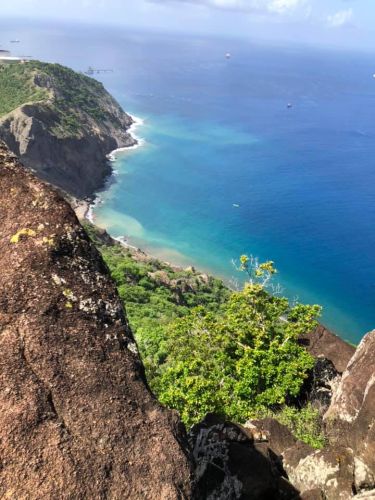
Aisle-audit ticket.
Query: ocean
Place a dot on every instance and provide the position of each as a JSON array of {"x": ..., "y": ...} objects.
[{"x": 270, "y": 152}]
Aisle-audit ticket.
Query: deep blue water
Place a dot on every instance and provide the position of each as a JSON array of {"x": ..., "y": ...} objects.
[{"x": 218, "y": 133}]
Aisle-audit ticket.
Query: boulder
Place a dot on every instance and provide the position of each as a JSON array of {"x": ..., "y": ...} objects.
[
  {"x": 327, "y": 472},
  {"x": 279, "y": 438},
  {"x": 346, "y": 468},
  {"x": 231, "y": 465},
  {"x": 77, "y": 419},
  {"x": 332, "y": 355},
  {"x": 350, "y": 419}
]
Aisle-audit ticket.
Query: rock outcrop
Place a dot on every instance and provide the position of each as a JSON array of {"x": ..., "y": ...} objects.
[
  {"x": 321, "y": 343},
  {"x": 233, "y": 462},
  {"x": 77, "y": 419},
  {"x": 350, "y": 419},
  {"x": 346, "y": 467},
  {"x": 332, "y": 355},
  {"x": 66, "y": 136}
]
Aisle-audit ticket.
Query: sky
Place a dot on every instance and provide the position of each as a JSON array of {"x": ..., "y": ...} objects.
[{"x": 339, "y": 23}]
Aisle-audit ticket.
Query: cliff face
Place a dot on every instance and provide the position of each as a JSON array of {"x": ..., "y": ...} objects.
[
  {"x": 66, "y": 134},
  {"x": 77, "y": 419}
]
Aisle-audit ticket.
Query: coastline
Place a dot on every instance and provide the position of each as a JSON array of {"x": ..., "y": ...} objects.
[
  {"x": 84, "y": 208},
  {"x": 137, "y": 122},
  {"x": 85, "y": 211}
]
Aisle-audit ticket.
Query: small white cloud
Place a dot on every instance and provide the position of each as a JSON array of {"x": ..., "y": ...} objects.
[
  {"x": 340, "y": 18},
  {"x": 282, "y": 6}
]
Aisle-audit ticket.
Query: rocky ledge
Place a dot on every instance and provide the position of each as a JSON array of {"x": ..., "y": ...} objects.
[{"x": 263, "y": 460}]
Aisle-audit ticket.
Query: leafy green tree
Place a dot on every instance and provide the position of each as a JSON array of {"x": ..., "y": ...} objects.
[{"x": 243, "y": 359}]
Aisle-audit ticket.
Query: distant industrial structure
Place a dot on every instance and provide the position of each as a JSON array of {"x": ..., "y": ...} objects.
[{"x": 90, "y": 71}]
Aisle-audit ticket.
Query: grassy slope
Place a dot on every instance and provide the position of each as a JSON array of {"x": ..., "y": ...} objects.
[
  {"x": 17, "y": 87},
  {"x": 75, "y": 99}
]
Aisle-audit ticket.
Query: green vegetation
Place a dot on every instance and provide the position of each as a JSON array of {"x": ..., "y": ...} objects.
[
  {"x": 75, "y": 94},
  {"x": 305, "y": 423},
  {"x": 17, "y": 87},
  {"x": 156, "y": 294},
  {"x": 208, "y": 349},
  {"x": 246, "y": 358},
  {"x": 73, "y": 97}
]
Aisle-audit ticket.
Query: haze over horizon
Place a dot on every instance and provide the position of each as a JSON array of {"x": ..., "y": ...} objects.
[{"x": 333, "y": 23}]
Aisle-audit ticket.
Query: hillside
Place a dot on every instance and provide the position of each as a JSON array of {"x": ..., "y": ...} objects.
[
  {"x": 61, "y": 123},
  {"x": 78, "y": 419},
  {"x": 155, "y": 293},
  {"x": 157, "y": 296},
  {"x": 95, "y": 335}
]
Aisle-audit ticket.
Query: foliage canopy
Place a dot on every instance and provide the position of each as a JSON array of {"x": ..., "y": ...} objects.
[
  {"x": 208, "y": 349},
  {"x": 244, "y": 359}
]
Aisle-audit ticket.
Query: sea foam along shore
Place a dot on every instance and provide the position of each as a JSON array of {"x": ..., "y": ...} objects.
[
  {"x": 112, "y": 156},
  {"x": 137, "y": 122}
]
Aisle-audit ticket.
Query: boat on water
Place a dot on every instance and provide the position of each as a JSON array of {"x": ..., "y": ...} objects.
[
  {"x": 236, "y": 205},
  {"x": 15, "y": 41},
  {"x": 289, "y": 105},
  {"x": 228, "y": 55}
]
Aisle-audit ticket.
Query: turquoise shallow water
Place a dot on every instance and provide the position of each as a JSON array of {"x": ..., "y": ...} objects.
[
  {"x": 218, "y": 132},
  {"x": 181, "y": 212},
  {"x": 221, "y": 134}
]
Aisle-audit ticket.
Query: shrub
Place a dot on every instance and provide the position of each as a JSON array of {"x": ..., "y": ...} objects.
[{"x": 244, "y": 359}]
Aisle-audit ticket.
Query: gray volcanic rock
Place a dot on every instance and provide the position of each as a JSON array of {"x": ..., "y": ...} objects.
[
  {"x": 346, "y": 468},
  {"x": 350, "y": 419},
  {"x": 77, "y": 420},
  {"x": 332, "y": 355},
  {"x": 319, "y": 387},
  {"x": 327, "y": 471},
  {"x": 66, "y": 136}
]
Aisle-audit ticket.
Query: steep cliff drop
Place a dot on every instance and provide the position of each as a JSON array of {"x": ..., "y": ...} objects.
[
  {"x": 62, "y": 124},
  {"x": 77, "y": 419}
]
